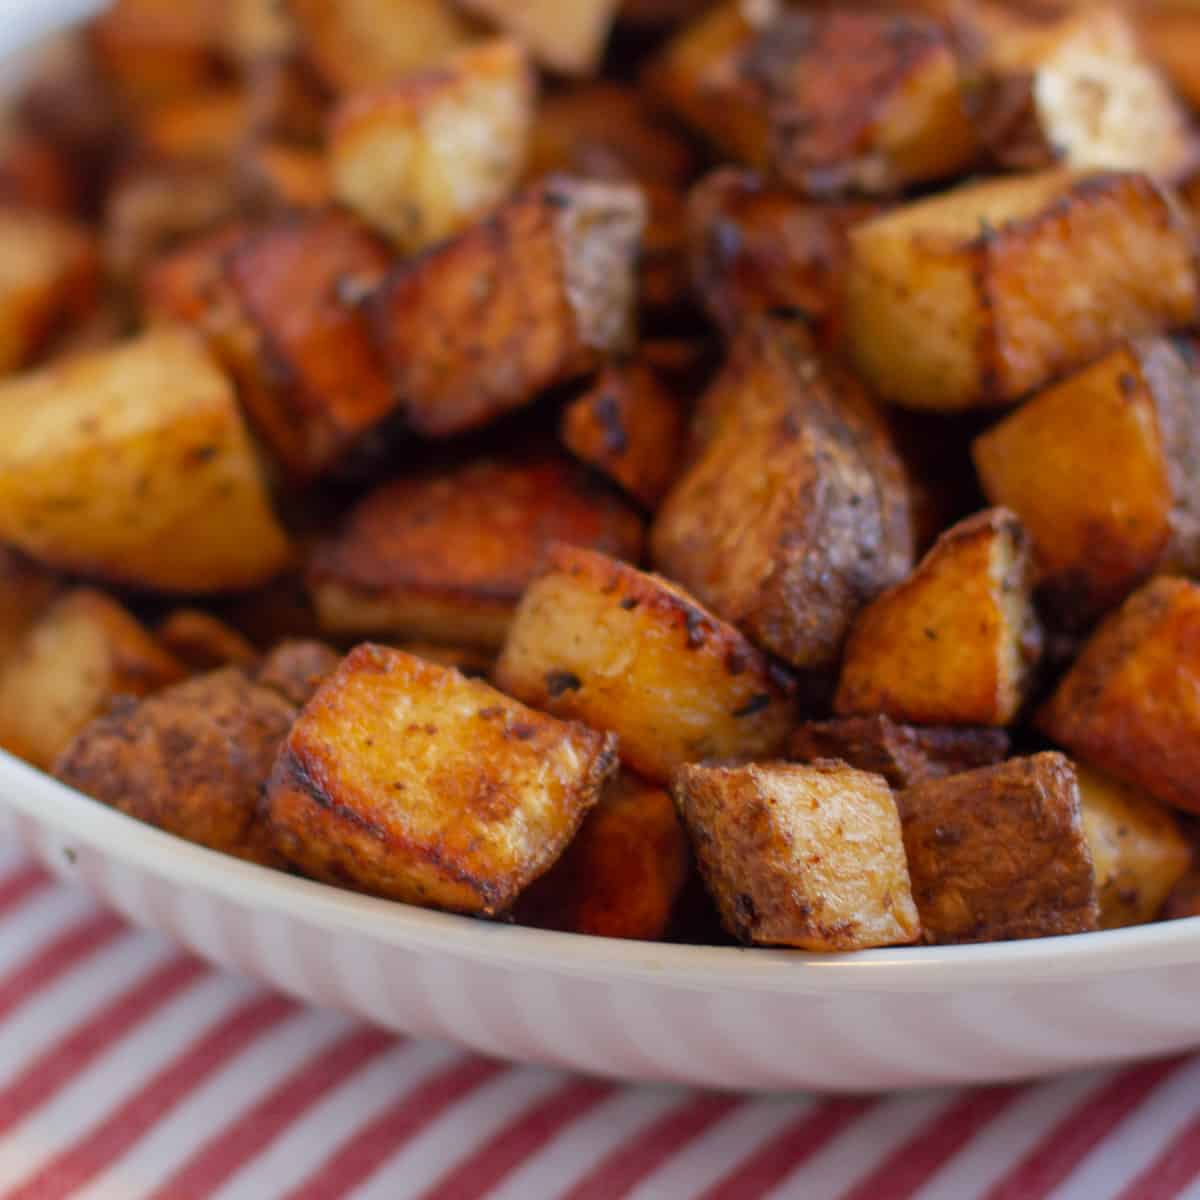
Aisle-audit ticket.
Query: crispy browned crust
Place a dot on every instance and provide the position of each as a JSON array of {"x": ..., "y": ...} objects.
[
  {"x": 567, "y": 38},
  {"x": 296, "y": 668},
  {"x": 407, "y": 780},
  {"x": 601, "y": 642},
  {"x": 622, "y": 875},
  {"x": 808, "y": 856},
  {"x": 202, "y": 642},
  {"x": 445, "y": 555},
  {"x": 192, "y": 760},
  {"x": 1131, "y": 703},
  {"x": 902, "y": 754},
  {"x": 1000, "y": 853},
  {"x": 796, "y": 512},
  {"x": 532, "y": 296}
]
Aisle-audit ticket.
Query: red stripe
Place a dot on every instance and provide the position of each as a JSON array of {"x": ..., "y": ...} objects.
[
  {"x": 789, "y": 1149},
  {"x": 77, "y": 1165},
  {"x": 911, "y": 1165},
  {"x": 253, "y": 1131},
  {"x": 1066, "y": 1145},
  {"x": 496, "y": 1159},
  {"x": 626, "y": 1166},
  {"x": 373, "y": 1145},
  {"x": 58, "y": 1065},
  {"x": 20, "y": 885},
  {"x": 1172, "y": 1171}
]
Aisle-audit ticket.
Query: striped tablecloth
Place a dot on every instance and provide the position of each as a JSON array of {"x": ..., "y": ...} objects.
[{"x": 128, "y": 1069}]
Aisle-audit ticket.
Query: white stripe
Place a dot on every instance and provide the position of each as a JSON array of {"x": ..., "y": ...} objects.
[{"x": 43, "y": 917}]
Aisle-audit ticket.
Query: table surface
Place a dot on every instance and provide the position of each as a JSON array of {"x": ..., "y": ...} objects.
[{"x": 128, "y": 1069}]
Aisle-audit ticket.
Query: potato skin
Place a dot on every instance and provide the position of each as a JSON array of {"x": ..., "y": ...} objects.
[
  {"x": 796, "y": 510},
  {"x": 191, "y": 760},
  {"x": 809, "y": 857},
  {"x": 445, "y": 555},
  {"x": 1000, "y": 853},
  {"x": 296, "y": 668},
  {"x": 1130, "y": 705},
  {"x": 406, "y": 780},
  {"x": 599, "y": 641},
  {"x": 202, "y": 642}
]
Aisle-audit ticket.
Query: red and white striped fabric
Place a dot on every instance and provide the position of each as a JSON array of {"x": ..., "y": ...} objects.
[{"x": 128, "y": 1069}]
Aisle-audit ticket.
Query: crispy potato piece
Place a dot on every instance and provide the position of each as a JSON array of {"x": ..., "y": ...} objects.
[
  {"x": 532, "y": 297},
  {"x": 957, "y": 301},
  {"x": 286, "y": 102},
  {"x": 1138, "y": 851},
  {"x": 445, "y": 555},
  {"x": 425, "y": 156},
  {"x": 192, "y": 760},
  {"x": 200, "y": 127},
  {"x": 1000, "y": 853},
  {"x": 26, "y": 591},
  {"x": 796, "y": 511},
  {"x": 1170, "y": 34},
  {"x": 258, "y": 30},
  {"x": 1184, "y": 900},
  {"x": 202, "y": 642},
  {"x": 409, "y": 781},
  {"x": 568, "y": 38},
  {"x": 1099, "y": 469},
  {"x": 133, "y": 463},
  {"x": 623, "y": 874},
  {"x": 809, "y": 857},
  {"x": 36, "y": 172},
  {"x": 276, "y": 176},
  {"x": 277, "y": 611},
  {"x": 1131, "y": 703},
  {"x": 956, "y": 642},
  {"x": 363, "y": 43},
  {"x": 598, "y": 641},
  {"x": 630, "y": 427},
  {"x": 79, "y": 655},
  {"x": 296, "y": 669},
  {"x": 902, "y": 754},
  {"x": 321, "y": 385},
  {"x": 467, "y": 660}
]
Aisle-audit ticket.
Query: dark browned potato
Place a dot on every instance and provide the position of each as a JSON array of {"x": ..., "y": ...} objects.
[
  {"x": 409, "y": 781},
  {"x": 278, "y": 176},
  {"x": 445, "y": 555},
  {"x": 902, "y": 754},
  {"x": 623, "y": 874},
  {"x": 296, "y": 668},
  {"x": 192, "y": 760},
  {"x": 26, "y": 591},
  {"x": 199, "y": 127},
  {"x": 809, "y": 857},
  {"x": 1000, "y": 853},
  {"x": 569, "y": 38},
  {"x": 795, "y": 512},
  {"x": 598, "y": 641},
  {"x": 955, "y": 643},
  {"x": 1131, "y": 703},
  {"x": 202, "y": 642}
]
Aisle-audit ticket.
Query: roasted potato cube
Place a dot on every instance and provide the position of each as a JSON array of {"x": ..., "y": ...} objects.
[
  {"x": 622, "y": 875},
  {"x": 425, "y": 156},
  {"x": 809, "y": 857},
  {"x": 202, "y": 642},
  {"x": 192, "y": 760},
  {"x": 133, "y": 463},
  {"x": 467, "y": 660},
  {"x": 276, "y": 177},
  {"x": 296, "y": 668},
  {"x": 321, "y": 384},
  {"x": 202, "y": 127},
  {"x": 568, "y": 38},
  {"x": 1099, "y": 469},
  {"x": 957, "y": 301},
  {"x": 532, "y": 297},
  {"x": 902, "y": 754},
  {"x": 598, "y": 641},
  {"x": 26, "y": 591},
  {"x": 407, "y": 780},
  {"x": 796, "y": 511},
  {"x": 78, "y": 656},
  {"x": 1000, "y": 853},
  {"x": 955, "y": 643},
  {"x": 1131, "y": 703}
]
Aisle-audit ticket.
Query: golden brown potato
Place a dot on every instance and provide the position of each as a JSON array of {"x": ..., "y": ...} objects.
[
  {"x": 26, "y": 591},
  {"x": 286, "y": 102},
  {"x": 630, "y": 427},
  {"x": 409, "y": 781},
  {"x": 623, "y": 874},
  {"x": 296, "y": 668},
  {"x": 467, "y": 660},
  {"x": 202, "y": 642},
  {"x": 796, "y": 511},
  {"x": 1170, "y": 33},
  {"x": 255, "y": 30},
  {"x": 568, "y": 38},
  {"x": 1138, "y": 851},
  {"x": 1099, "y": 469},
  {"x": 36, "y": 172},
  {"x": 955, "y": 643},
  {"x": 78, "y": 656},
  {"x": 1184, "y": 900},
  {"x": 133, "y": 463},
  {"x": 809, "y": 857},
  {"x": 532, "y": 297},
  {"x": 203, "y": 126},
  {"x": 957, "y": 301},
  {"x": 192, "y": 760},
  {"x": 427, "y": 155},
  {"x": 1131, "y": 703},
  {"x": 445, "y": 555},
  {"x": 321, "y": 384},
  {"x": 902, "y": 754},
  {"x": 598, "y": 641},
  {"x": 275, "y": 176},
  {"x": 1000, "y": 853}
]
